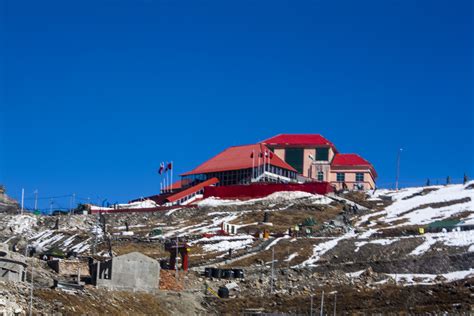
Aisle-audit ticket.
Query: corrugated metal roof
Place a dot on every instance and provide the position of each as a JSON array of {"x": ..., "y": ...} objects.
[
  {"x": 298, "y": 140},
  {"x": 236, "y": 158},
  {"x": 351, "y": 160},
  {"x": 191, "y": 190}
]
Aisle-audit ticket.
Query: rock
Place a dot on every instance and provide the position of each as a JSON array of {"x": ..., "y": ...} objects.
[{"x": 440, "y": 278}]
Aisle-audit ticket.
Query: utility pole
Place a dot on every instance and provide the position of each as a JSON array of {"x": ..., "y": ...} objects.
[
  {"x": 22, "y": 200},
  {"x": 288, "y": 268},
  {"x": 71, "y": 203},
  {"x": 398, "y": 168},
  {"x": 273, "y": 265},
  {"x": 322, "y": 304},
  {"x": 36, "y": 199},
  {"x": 31, "y": 290},
  {"x": 176, "y": 260}
]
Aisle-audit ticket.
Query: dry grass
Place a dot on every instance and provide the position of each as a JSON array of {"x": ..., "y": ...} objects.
[
  {"x": 151, "y": 249},
  {"x": 303, "y": 246},
  {"x": 102, "y": 303},
  {"x": 284, "y": 219}
]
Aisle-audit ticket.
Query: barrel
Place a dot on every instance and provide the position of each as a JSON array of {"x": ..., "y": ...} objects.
[
  {"x": 227, "y": 274},
  {"x": 216, "y": 273},
  {"x": 238, "y": 273},
  {"x": 208, "y": 272},
  {"x": 223, "y": 292}
]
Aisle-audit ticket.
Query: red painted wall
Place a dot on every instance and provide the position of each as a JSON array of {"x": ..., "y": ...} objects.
[
  {"x": 141, "y": 210},
  {"x": 257, "y": 190}
]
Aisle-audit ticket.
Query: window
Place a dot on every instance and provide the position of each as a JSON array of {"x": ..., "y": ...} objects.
[
  {"x": 322, "y": 154},
  {"x": 294, "y": 157},
  {"x": 320, "y": 176},
  {"x": 360, "y": 177},
  {"x": 341, "y": 177}
]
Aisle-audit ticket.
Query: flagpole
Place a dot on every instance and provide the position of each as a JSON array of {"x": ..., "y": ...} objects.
[
  {"x": 253, "y": 165},
  {"x": 257, "y": 173},
  {"x": 164, "y": 183},
  {"x": 265, "y": 161},
  {"x": 169, "y": 183},
  {"x": 171, "y": 188}
]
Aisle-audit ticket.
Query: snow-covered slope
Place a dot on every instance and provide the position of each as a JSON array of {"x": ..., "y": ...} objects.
[
  {"x": 423, "y": 205},
  {"x": 411, "y": 206},
  {"x": 274, "y": 198}
]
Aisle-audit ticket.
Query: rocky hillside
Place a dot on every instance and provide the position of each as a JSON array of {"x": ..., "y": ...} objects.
[
  {"x": 7, "y": 204},
  {"x": 387, "y": 248}
]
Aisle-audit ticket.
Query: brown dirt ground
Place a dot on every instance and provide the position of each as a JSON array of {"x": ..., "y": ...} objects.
[
  {"x": 118, "y": 303},
  {"x": 151, "y": 249},
  {"x": 452, "y": 298},
  {"x": 284, "y": 248},
  {"x": 284, "y": 219}
]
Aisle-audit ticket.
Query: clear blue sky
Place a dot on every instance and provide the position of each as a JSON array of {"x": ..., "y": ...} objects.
[{"x": 94, "y": 94}]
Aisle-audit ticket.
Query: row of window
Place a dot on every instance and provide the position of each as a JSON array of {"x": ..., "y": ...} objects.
[
  {"x": 184, "y": 199},
  {"x": 241, "y": 176},
  {"x": 295, "y": 157},
  {"x": 341, "y": 177}
]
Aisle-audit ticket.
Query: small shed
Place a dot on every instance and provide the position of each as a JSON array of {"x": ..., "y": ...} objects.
[
  {"x": 12, "y": 266},
  {"x": 130, "y": 272}
]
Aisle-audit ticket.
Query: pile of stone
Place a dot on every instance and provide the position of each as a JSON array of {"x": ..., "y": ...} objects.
[{"x": 168, "y": 281}]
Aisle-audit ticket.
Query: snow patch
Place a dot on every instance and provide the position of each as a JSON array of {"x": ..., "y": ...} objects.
[
  {"x": 273, "y": 243},
  {"x": 291, "y": 257},
  {"x": 272, "y": 199},
  {"x": 322, "y": 248},
  {"x": 22, "y": 224},
  {"x": 225, "y": 245},
  {"x": 454, "y": 239}
]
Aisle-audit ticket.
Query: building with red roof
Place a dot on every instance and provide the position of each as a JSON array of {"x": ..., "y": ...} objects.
[
  {"x": 293, "y": 159},
  {"x": 284, "y": 158},
  {"x": 298, "y": 140},
  {"x": 317, "y": 159},
  {"x": 241, "y": 165},
  {"x": 353, "y": 172}
]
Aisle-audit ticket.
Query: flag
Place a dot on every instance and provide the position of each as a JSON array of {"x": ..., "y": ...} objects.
[
  {"x": 260, "y": 155},
  {"x": 169, "y": 166},
  {"x": 251, "y": 155},
  {"x": 162, "y": 168},
  {"x": 271, "y": 155}
]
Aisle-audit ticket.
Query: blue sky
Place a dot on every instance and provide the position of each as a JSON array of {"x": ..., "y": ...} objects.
[{"x": 94, "y": 94}]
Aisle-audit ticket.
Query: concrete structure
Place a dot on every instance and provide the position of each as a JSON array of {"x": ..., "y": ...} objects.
[
  {"x": 130, "y": 272},
  {"x": 12, "y": 266},
  {"x": 317, "y": 159}
]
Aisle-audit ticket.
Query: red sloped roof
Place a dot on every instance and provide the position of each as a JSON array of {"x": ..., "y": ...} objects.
[
  {"x": 191, "y": 190},
  {"x": 235, "y": 158},
  {"x": 175, "y": 185},
  {"x": 298, "y": 140},
  {"x": 351, "y": 160}
]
